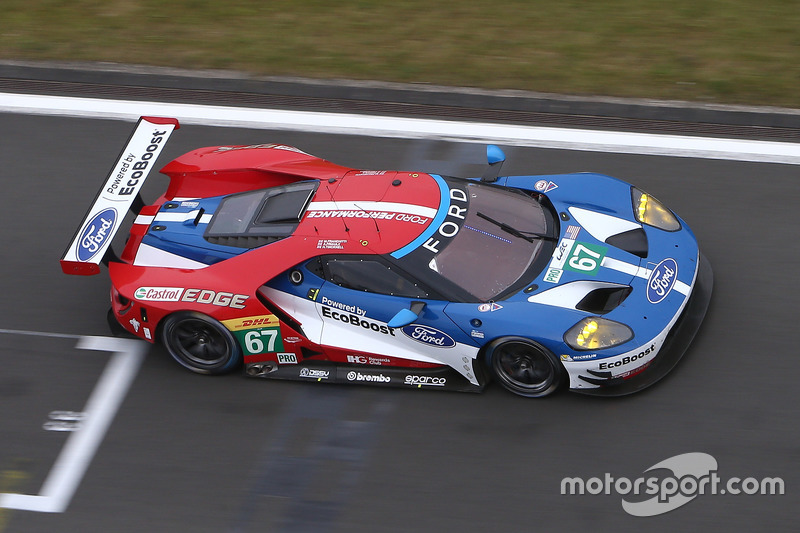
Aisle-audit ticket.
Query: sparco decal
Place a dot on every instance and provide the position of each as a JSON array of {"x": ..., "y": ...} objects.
[
  {"x": 628, "y": 358},
  {"x": 96, "y": 233},
  {"x": 661, "y": 280},
  {"x": 371, "y": 378},
  {"x": 427, "y": 381},
  {"x": 429, "y": 335},
  {"x": 357, "y": 321}
]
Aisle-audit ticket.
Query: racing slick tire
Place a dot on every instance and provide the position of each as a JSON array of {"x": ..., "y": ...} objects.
[
  {"x": 200, "y": 343},
  {"x": 525, "y": 367}
]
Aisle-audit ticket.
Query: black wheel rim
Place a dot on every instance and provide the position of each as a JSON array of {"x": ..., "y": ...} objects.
[
  {"x": 524, "y": 367},
  {"x": 200, "y": 343}
]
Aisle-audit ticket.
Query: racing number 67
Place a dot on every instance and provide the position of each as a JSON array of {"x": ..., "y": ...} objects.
[
  {"x": 584, "y": 259},
  {"x": 253, "y": 341}
]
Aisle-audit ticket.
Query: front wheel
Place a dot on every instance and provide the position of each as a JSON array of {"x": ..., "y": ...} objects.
[
  {"x": 200, "y": 343},
  {"x": 525, "y": 367}
]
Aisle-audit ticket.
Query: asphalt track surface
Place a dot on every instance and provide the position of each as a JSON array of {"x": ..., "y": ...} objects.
[{"x": 190, "y": 453}]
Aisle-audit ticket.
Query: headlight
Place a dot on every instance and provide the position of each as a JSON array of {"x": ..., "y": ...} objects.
[
  {"x": 597, "y": 333},
  {"x": 650, "y": 211}
]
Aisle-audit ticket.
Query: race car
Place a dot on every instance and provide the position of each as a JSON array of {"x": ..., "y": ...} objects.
[{"x": 292, "y": 267}]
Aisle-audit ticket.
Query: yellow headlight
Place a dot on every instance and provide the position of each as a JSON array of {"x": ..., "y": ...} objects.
[
  {"x": 650, "y": 211},
  {"x": 642, "y": 207},
  {"x": 596, "y": 333},
  {"x": 585, "y": 336}
]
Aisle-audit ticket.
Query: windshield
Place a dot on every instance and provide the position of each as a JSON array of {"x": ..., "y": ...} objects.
[{"x": 488, "y": 241}]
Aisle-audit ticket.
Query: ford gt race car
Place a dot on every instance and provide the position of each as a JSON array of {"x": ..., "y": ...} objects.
[{"x": 298, "y": 268}]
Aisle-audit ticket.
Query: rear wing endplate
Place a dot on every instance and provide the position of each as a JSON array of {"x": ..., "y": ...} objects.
[{"x": 120, "y": 192}]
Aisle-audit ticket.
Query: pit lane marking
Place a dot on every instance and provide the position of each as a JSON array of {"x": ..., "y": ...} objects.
[
  {"x": 73, "y": 461},
  {"x": 410, "y": 128}
]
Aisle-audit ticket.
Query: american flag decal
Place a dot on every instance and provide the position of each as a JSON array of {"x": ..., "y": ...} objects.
[{"x": 572, "y": 232}]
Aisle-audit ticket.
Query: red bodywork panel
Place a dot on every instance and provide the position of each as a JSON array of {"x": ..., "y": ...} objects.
[
  {"x": 219, "y": 170},
  {"x": 381, "y": 216}
]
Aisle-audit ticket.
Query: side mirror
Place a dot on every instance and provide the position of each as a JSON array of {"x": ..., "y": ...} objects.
[
  {"x": 405, "y": 317},
  {"x": 495, "y": 157},
  {"x": 494, "y": 154}
]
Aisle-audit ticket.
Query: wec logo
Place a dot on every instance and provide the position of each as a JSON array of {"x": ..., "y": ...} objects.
[{"x": 96, "y": 233}]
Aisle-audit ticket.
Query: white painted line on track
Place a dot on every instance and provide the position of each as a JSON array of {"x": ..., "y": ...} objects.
[
  {"x": 40, "y": 334},
  {"x": 68, "y": 470},
  {"x": 410, "y": 128}
]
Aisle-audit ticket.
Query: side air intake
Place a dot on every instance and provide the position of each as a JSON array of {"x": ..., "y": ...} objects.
[
  {"x": 601, "y": 301},
  {"x": 633, "y": 241}
]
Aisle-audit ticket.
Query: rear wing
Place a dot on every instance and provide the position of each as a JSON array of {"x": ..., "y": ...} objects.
[{"x": 120, "y": 192}]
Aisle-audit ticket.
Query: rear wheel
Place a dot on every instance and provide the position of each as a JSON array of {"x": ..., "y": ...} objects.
[
  {"x": 525, "y": 367},
  {"x": 200, "y": 343}
]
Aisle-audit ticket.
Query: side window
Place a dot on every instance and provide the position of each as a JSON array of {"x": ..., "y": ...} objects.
[{"x": 370, "y": 275}]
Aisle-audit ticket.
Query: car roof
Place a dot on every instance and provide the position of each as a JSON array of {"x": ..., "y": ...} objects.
[
  {"x": 318, "y": 206},
  {"x": 383, "y": 211}
]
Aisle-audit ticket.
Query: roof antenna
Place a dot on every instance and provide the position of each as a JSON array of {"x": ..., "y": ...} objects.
[
  {"x": 337, "y": 208},
  {"x": 369, "y": 217}
]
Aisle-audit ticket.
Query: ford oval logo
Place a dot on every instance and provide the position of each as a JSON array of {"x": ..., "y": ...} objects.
[
  {"x": 96, "y": 233},
  {"x": 661, "y": 280},
  {"x": 429, "y": 335}
]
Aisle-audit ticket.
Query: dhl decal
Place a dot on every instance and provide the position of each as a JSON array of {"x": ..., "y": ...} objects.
[{"x": 250, "y": 322}]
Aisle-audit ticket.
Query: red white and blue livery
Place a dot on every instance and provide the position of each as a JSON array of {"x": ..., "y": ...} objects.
[{"x": 298, "y": 268}]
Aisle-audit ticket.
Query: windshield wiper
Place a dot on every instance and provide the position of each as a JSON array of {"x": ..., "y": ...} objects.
[{"x": 527, "y": 235}]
